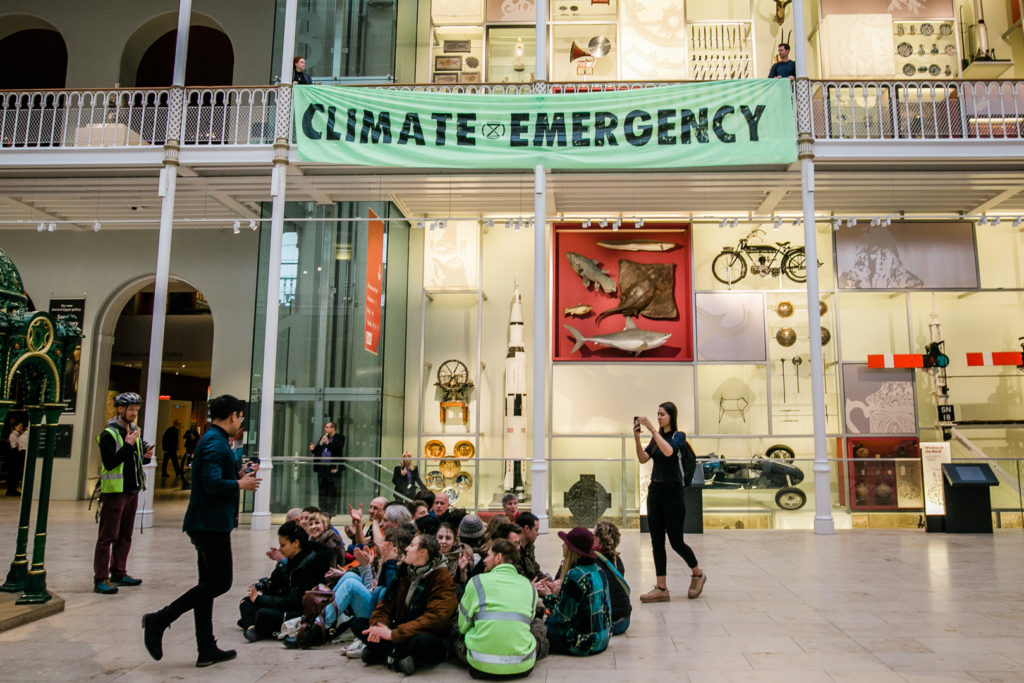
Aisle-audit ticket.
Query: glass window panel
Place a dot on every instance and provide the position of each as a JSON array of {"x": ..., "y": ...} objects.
[
  {"x": 511, "y": 54},
  {"x": 710, "y": 240},
  {"x": 653, "y": 41},
  {"x": 457, "y": 11},
  {"x": 590, "y": 38},
  {"x": 512, "y": 10},
  {"x": 1000, "y": 253},
  {"x": 457, "y": 54},
  {"x": 732, "y": 399},
  {"x": 872, "y": 322},
  {"x": 583, "y": 10},
  {"x": 602, "y": 399},
  {"x": 573, "y": 461}
]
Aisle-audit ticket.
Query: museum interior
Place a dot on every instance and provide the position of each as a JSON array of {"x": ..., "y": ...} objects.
[{"x": 402, "y": 303}]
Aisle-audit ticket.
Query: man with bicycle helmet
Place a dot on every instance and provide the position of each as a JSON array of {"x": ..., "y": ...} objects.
[{"x": 123, "y": 454}]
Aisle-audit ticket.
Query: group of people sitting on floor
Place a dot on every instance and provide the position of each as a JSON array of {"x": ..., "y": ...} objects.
[{"x": 416, "y": 583}]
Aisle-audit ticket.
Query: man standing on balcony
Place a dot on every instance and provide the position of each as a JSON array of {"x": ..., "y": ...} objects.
[
  {"x": 785, "y": 67},
  {"x": 327, "y": 454}
]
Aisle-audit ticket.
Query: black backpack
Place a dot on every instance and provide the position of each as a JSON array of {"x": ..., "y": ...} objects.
[{"x": 687, "y": 462}]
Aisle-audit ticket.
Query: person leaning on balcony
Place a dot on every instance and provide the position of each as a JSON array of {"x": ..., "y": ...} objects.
[
  {"x": 299, "y": 75},
  {"x": 785, "y": 67}
]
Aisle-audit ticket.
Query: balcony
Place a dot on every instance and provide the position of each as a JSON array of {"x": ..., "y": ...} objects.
[{"x": 848, "y": 118}]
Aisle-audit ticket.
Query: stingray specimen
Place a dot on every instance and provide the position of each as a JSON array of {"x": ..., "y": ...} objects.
[{"x": 645, "y": 289}]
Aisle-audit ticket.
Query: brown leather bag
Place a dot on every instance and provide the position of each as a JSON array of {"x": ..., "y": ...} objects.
[{"x": 313, "y": 604}]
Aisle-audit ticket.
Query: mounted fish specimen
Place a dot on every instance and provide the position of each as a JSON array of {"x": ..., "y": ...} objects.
[
  {"x": 590, "y": 272},
  {"x": 645, "y": 289},
  {"x": 577, "y": 311},
  {"x": 638, "y": 245},
  {"x": 631, "y": 339}
]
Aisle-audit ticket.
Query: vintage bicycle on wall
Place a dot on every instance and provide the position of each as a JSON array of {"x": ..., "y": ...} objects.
[{"x": 767, "y": 260}]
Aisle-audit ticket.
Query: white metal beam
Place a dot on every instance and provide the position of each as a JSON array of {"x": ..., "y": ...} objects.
[
  {"x": 771, "y": 200},
  {"x": 998, "y": 199}
]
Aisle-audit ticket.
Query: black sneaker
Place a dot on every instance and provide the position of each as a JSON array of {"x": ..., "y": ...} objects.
[
  {"x": 406, "y": 665},
  {"x": 126, "y": 581},
  {"x": 215, "y": 656},
  {"x": 311, "y": 636},
  {"x": 250, "y": 634},
  {"x": 153, "y": 635}
]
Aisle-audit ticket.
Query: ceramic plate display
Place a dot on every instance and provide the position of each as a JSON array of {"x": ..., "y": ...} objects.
[
  {"x": 927, "y": 29},
  {"x": 453, "y": 495},
  {"x": 472, "y": 62},
  {"x": 935, "y": 69},
  {"x": 434, "y": 449},
  {"x": 435, "y": 480},
  {"x": 950, "y": 50},
  {"x": 904, "y": 49},
  {"x": 909, "y": 70},
  {"x": 463, "y": 481},
  {"x": 464, "y": 449},
  {"x": 946, "y": 29},
  {"x": 450, "y": 468}
]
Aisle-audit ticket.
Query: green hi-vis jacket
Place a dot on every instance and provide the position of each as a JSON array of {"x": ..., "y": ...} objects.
[{"x": 495, "y": 615}]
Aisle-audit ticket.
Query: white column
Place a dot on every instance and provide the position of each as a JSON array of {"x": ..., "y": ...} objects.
[
  {"x": 541, "y": 71},
  {"x": 168, "y": 183},
  {"x": 539, "y": 352},
  {"x": 823, "y": 522},
  {"x": 261, "y": 504}
]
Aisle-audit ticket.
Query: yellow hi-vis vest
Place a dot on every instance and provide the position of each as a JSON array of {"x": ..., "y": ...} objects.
[
  {"x": 112, "y": 481},
  {"x": 496, "y": 624}
]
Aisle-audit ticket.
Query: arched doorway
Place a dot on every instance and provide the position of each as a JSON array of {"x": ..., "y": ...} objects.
[
  {"x": 210, "y": 60},
  {"x": 121, "y": 359},
  {"x": 38, "y": 48}
]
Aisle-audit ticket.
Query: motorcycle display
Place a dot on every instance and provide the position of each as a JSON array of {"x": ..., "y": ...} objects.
[
  {"x": 770, "y": 471},
  {"x": 767, "y": 260}
]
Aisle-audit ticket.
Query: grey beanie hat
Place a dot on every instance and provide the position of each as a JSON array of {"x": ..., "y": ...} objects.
[{"x": 471, "y": 526}]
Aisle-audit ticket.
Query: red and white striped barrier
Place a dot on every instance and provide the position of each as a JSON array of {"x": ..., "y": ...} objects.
[
  {"x": 879, "y": 361},
  {"x": 975, "y": 360}
]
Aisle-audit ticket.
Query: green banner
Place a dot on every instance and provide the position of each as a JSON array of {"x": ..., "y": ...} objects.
[{"x": 720, "y": 123}]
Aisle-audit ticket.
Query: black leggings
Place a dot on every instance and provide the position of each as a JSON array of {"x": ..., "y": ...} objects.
[{"x": 666, "y": 513}]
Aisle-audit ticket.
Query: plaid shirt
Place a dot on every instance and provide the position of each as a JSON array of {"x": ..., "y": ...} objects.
[{"x": 582, "y": 611}]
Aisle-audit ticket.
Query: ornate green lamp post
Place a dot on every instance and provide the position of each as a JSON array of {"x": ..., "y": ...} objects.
[{"x": 32, "y": 351}]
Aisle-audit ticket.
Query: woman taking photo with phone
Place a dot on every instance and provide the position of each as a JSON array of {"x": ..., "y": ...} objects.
[{"x": 665, "y": 508}]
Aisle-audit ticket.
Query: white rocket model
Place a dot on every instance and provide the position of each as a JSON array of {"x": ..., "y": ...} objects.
[{"x": 514, "y": 440}]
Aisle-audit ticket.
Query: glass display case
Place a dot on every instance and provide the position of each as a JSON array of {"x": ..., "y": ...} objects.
[
  {"x": 511, "y": 54},
  {"x": 926, "y": 49}
]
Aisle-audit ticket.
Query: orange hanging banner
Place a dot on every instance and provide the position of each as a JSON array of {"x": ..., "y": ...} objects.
[{"x": 374, "y": 281}]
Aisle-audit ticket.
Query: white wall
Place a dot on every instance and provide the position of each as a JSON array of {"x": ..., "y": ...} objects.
[
  {"x": 100, "y": 267},
  {"x": 96, "y": 63}
]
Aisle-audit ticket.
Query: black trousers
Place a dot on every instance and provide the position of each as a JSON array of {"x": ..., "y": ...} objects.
[
  {"x": 172, "y": 457},
  {"x": 213, "y": 550},
  {"x": 266, "y": 620},
  {"x": 329, "y": 489},
  {"x": 666, "y": 513},
  {"x": 424, "y": 648}
]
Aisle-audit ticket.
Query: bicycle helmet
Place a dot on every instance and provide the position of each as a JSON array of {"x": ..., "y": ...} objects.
[{"x": 129, "y": 398}]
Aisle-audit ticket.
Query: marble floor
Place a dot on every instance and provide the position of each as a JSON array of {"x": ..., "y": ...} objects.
[{"x": 872, "y": 606}]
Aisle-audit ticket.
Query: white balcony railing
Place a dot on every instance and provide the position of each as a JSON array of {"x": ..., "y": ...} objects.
[
  {"x": 245, "y": 117},
  {"x": 229, "y": 116},
  {"x": 925, "y": 110}
]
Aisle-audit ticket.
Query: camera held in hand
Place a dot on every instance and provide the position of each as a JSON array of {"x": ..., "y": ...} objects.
[
  {"x": 636, "y": 423},
  {"x": 263, "y": 585}
]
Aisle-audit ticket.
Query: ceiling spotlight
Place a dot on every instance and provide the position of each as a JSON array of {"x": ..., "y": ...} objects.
[
  {"x": 798, "y": 221},
  {"x": 442, "y": 224},
  {"x": 51, "y": 227},
  {"x": 887, "y": 221},
  {"x": 586, "y": 224},
  {"x": 489, "y": 223},
  {"x": 876, "y": 221},
  {"x": 418, "y": 225},
  {"x": 518, "y": 224},
  {"x": 777, "y": 223},
  {"x": 734, "y": 222},
  {"x": 617, "y": 224},
  {"x": 603, "y": 223},
  {"x": 252, "y": 224},
  {"x": 236, "y": 226},
  {"x": 639, "y": 223},
  {"x": 96, "y": 225},
  {"x": 851, "y": 222},
  {"x": 994, "y": 221},
  {"x": 982, "y": 220},
  {"x": 722, "y": 223},
  {"x": 41, "y": 227},
  {"x": 1017, "y": 221},
  {"x": 836, "y": 222}
]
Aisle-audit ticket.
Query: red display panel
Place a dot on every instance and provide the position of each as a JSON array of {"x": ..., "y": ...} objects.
[
  {"x": 885, "y": 473},
  {"x": 570, "y": 292}
]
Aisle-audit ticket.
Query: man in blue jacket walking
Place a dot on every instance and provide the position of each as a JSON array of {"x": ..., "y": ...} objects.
[{"x": 212, "y": 514}]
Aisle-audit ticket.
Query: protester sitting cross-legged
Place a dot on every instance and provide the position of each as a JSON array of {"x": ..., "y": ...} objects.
[
  {"x": 580, "y": 620},
  {"x": 471, "y": 534},
  {"x": 409, "y": 626},
  {"x": 495, "y": 616},
  {"x": 527, "y": 564},
  {"x": 357, "y": 590},
  {"x": 271, "y": 601},
  {"x": 610, "y": 562},
  {"x": 458, "y": 557},
  {"x": 321, "y": 532}
]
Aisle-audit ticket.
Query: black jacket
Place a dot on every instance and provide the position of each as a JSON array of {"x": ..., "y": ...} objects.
[
  {"x": 293, "y": 578},
  {"x": 618, "y": 590},
  {"x": 331, "y": 450},
  {"x": 407, "y": 486},
  {"x": 169, "y": 441},
  {"x": 213, "y": 503}
]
